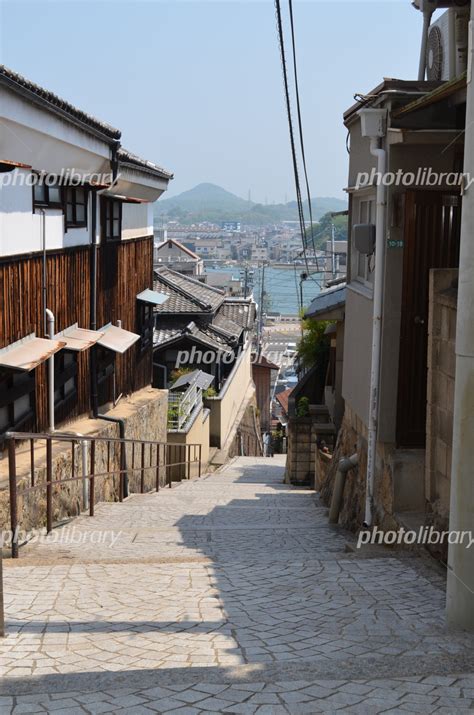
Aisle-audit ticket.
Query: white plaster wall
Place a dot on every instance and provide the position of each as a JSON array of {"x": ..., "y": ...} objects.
[
  {"x": 21, "y": 229},
  {"x": 32, "y": 135},
  {"x": 137, "y": 220}
]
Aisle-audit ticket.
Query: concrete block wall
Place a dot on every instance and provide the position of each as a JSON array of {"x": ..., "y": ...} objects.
[{"x": 440, "y": 393}]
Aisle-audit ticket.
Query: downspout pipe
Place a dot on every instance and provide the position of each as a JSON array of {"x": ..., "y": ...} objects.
[
  {"x": 93, "y": 355},
  {"x": 427, "y": 15},
  {"x": 373, "y": 125},
  {"x": 50, "y": 332},
  {"x": 344, "y": 466},
  {"x": 381, "y": 156}
]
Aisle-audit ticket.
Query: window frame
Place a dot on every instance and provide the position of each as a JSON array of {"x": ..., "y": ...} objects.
[
  {"x": 107, "y": 205},
  {"x": 146, "y": 325},
  {"x": 11, "y": 393},
  {"x": 62, "y": 374},
  {"x": 47, "y": 203},
  {"x": 367, "y": 201},
  {"x": 75, "y": 223}
]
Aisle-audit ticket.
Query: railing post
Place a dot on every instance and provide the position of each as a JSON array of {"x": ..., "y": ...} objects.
[
  {"x": 142, "y": 473},
  {"x": 49, "y": 485},
  {"x": 13, "y": 495},
  {"x": 92, "y": 480},
  {"x": 200, "y": 462},
  {"x": 168, "y": 468},
  {"x": 32, "y": 462},
  {"x": 122, "y": 471},
  {"x": 157, "y": 486}
]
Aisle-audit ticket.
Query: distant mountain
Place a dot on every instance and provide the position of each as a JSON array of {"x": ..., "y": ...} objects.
[
  {"x": 204, "y": 197},
  {"x": 208, "y": 202}
]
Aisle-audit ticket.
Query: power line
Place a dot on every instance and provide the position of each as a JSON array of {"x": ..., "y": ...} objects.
[
  {"x": 300, "y": 124},
  {"x": 290, "y": 125}
]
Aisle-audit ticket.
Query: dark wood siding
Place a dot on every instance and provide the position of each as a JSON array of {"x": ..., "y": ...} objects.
[
  {"x": 432, "y": 234},
  {"x": 68, "y": 291}
]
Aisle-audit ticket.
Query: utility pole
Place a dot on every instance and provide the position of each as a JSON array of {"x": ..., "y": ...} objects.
[
  {"x": 460, "y": 591},
  {"x": 260, "y": 317},
  {"x": 333, "y": 251}
]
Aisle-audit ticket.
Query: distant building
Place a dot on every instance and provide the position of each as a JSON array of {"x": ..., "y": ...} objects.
[
  {"x": 340, "y": 260},
  {"x": 225, "y": 281},
  {"x": 231, "y": 226},
  {"x": 178, "y": 257}
]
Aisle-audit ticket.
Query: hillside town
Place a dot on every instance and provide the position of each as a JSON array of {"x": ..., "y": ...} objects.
[{"x": 235, "y": 454}]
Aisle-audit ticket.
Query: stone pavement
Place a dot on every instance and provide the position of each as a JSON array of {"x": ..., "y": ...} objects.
[{"x": 229, "y": 594}]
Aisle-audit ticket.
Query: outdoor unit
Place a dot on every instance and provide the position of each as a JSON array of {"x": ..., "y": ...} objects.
[{"x": 446, "y": 51}]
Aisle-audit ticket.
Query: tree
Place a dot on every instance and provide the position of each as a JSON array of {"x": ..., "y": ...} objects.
[
  {"x": 322, "y": 231},
  {"x": 313, "y": 348}
]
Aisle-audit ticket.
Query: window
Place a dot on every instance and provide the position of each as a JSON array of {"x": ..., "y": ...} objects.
[
  {"x": 65, "y": 378},
  {"x": 146, "y": 325},
  {"x": 17, "y": 399},
  {"x": 362, "y": 264},
  {"x": 45, "y": 196},
  {"x": 105, "y": 374},
  {"x": 111, "y": 219},
  {"x": 75, "y": 200}
]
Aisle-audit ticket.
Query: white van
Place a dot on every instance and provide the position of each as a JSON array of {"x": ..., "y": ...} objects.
[{"x": 290, "y": 351}]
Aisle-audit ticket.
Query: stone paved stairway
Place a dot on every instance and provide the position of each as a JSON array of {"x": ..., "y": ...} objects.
[{"x": 231, "y": 595}]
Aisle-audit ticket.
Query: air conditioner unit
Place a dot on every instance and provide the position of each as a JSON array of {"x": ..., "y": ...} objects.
[{"x": 446, "y": 51}]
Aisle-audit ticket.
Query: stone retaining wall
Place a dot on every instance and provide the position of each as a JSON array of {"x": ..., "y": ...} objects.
[{"x": 145, "y": 417}]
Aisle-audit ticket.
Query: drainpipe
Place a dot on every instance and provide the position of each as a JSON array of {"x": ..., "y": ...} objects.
[
  {"x": 460, "y": 591},
  {"x": 93, "y": 305},
  {"x": 373, "y": 126},
  {"x": 344, "y": 466},
  {"x": 93, "y": 322},
  {"x": 427, "y": 15},
  {"x": 50, "y": 333},
  {"x": 44, "y": 271}
]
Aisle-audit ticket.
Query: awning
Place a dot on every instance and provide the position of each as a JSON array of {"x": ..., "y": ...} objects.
[
  {"x": 28, "y": 353},
  {"x": 197, "y": 377},
  {"x": 329, "y": 304},
  {"x": 117, "y": 339},
  {"x": 152, "y": 296},
  {"x": 79, "y": 339}
]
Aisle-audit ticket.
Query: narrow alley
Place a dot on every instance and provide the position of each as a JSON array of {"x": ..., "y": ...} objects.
[{"x": 227, "y": 594}]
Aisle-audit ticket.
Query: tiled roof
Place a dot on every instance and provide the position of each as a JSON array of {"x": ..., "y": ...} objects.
[
  {"x": 202, "y": 335},
  {"x": 126, "y": 157},
  {"x": 283, "y": 398},
  {"x": 327, "y": 301},
  {"x": 172, "y": 242},
  {"x": 241, "y": 311},
  {"x": 226, "y": 326},
  {"x": 51, "y": 101},
  {"x": 186, "y": 295}
]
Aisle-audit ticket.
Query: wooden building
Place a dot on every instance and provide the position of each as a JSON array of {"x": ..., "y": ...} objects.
[{"x": 76, "y": 239}]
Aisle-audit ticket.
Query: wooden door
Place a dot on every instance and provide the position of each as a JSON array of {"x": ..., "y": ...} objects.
[{"x": 431, "y": 240}]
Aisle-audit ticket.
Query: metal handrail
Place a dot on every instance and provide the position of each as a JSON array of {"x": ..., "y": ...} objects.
[
  {"x": 160, "y": 459},
  {"x": 185, "y": 402}
]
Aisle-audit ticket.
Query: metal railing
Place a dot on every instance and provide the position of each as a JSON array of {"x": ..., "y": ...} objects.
[
  {"x": 166, "y": 462},
  {"x": 181, "y": 406}
]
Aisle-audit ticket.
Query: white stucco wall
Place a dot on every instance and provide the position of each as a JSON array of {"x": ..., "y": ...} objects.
[
  {"x": 137, "y": 220},
  {"x": 21, "y": 230}
]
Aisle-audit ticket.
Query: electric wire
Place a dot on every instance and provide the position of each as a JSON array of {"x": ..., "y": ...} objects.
[{"x": 290, "y": 125}]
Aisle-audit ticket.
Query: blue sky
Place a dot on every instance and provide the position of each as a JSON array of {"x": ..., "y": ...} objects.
[{"x": 197, "y": 86}]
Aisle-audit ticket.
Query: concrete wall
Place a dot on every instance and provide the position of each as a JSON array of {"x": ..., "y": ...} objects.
[
  {"x": 145, "y": 416},
  {"x": 226, "y": 405},
  {"x": 357, "y": 348},
  {"x": 197, "y": 433},
  {"x": 440, "y": 407}
]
